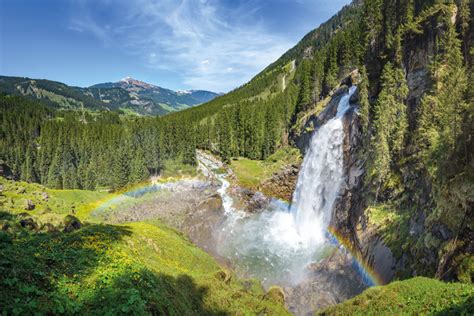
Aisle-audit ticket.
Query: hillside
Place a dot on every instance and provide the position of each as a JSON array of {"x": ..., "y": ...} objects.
[
  {"x": 150, "y": 99},
  {"x": 128, "y": 95},
  {"x": 53, "y": 262},
  {"x": 421, "y": 296}
]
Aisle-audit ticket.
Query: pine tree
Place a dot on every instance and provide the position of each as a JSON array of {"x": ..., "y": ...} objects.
[{"x": 390, "y": 123}]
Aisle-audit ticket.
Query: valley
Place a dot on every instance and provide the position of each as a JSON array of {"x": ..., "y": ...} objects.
[{"x": 339, "y": 180}]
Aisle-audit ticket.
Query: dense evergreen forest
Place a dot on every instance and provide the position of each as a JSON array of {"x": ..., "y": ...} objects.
[{"x": 69, "y": 149}]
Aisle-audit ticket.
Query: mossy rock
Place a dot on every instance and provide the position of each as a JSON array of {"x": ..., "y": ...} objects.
[
  {"x": 224, "y": 275},
  {"x": 71, "y": 223},
  {"x": 29, "y": 223},
  {"x": 276, "y": 295}
]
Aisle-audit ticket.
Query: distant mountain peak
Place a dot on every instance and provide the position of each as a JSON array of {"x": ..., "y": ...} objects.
[
  {"x": 181, "y": 92},
  {"x": 127, "y": 79},
  {"x": 134, "y": 82}
]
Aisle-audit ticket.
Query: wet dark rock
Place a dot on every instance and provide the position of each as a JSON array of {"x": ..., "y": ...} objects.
[
  {"x": 71, "y": 223},
  {"x": 354, "y": 99},
  {"x": 250, "y": 201},
  {"x": 302, "y": 137}
]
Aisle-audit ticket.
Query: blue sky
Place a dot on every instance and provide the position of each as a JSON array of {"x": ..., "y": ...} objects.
[{"x": 177, "y": 44}]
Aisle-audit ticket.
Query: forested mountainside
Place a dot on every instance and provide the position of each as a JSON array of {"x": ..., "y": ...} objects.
[
  {"x": 126, "y": 96},
  {"x": 412, "y": 61}
]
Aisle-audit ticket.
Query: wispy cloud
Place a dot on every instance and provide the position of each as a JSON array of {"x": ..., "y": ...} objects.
[{"x": 209, "y": 45}]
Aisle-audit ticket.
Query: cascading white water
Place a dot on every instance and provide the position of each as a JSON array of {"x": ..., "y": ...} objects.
[
  {"x": 277, "y": 244},
  {"x": 320, "y": 178}
]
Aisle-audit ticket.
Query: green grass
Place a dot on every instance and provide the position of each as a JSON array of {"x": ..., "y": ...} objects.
[
  {"x": 138, "y": 268},
  {"x": 50, "y": 205},
  {"x": 416, "y": 296},
  {"x": 174, "y": 169},
  {"x": 251, "y": 173}
]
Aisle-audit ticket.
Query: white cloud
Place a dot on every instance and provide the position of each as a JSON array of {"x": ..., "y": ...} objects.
[{"x": 207, "y": 44}]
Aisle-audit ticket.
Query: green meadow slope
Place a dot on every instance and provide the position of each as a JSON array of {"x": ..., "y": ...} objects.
[
  {"x": 416, "y": 296},
  {"x": 50, "y": 265}
]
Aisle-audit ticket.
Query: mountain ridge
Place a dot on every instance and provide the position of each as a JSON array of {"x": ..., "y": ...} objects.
[{"x": 128, "y": 95}]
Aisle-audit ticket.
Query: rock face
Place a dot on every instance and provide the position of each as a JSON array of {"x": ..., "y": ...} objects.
[
  {"x": 302, "y": 140},
  {"x": 248, "y": 200},
  {"x": 327, "y": 282},
  {"x": 199, "y": 223},
  {"x": 282, "y": 184},
  {"x": 348, "y": 214}
]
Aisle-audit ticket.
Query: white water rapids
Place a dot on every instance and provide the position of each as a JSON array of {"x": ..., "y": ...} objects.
[{"x": 277, "y": 245}]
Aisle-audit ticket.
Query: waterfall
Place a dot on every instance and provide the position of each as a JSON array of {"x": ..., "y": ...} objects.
[
  {"x": 278, "y": 244},
  {"x": 320, "y": 178}
]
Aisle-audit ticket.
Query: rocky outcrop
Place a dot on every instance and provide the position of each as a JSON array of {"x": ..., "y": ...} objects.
[
  {"x": 199, "y": 223},
  {"x": 248, "y": 200},
  {"x": 328, "y": 282},
  {"x": 348, "y": 217},
  {"x": 301, "y": 136},
  {"x": 282, "y": 184}
]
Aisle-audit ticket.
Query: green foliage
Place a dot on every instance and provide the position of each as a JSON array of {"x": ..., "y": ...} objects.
[
  {"x": 364, "y": 100},
  {"x": 420, "y": 296},
  {"x": 70, "y": 150},
  {"x": 252, "y": 173},
  {"x": 138, "y": 269},
  {"x": 390, "y": 123}
]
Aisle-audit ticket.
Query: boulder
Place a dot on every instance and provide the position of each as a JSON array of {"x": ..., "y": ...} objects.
[
  {"x": 276, "y": 295},
  {"x": 282, "y": 184},
  {"x": 29, "y": 223},
  {"x": 71, "y": 223},
  {"x": 223, "y": 275},
  {"x": 6, "y": 171},
  {"x": 45, "y": 196},
  {"x": 29, "y": 205}
]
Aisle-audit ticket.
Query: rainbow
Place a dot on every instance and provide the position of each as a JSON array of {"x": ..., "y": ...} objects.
[
  {"x": 367, "y": 272},
  {"x": 128, "y": 193}
]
